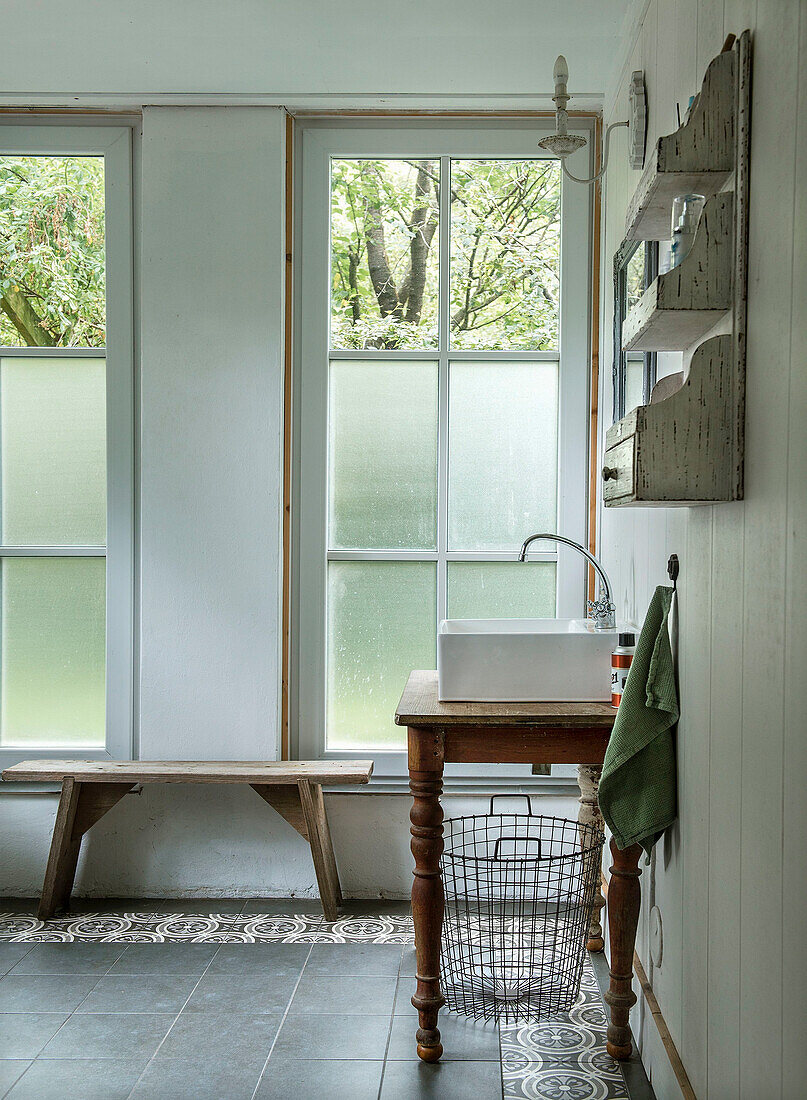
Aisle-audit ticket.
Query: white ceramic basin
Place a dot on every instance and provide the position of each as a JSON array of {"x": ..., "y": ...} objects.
[{"x": 524, "y": 660}]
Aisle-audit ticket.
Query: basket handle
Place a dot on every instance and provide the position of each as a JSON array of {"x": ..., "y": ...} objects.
[
  {"x": 528, "y": 840},
  {"x": 495, "y": 796}
]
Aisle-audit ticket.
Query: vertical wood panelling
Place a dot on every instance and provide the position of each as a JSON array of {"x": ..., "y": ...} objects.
[
  {"x": 693, "y": 762},
  {"x": 725, "y": 783},
  {"x": 769, "y": 317},
  {"x": 794, "y": 893},
  {"x": 732, "y": 980}
]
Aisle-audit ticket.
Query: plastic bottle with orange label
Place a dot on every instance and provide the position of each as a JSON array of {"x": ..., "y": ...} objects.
[{"x": 621, "y": 660}]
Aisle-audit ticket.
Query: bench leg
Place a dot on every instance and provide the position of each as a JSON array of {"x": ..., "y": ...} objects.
[
  {"x": 63, "y": 857},
  {"x": 80, "y": 806},
  {"x": 327, "y": 842},
  {"x": 321, "y": 848}
]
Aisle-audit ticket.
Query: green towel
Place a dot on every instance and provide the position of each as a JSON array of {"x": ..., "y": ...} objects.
[{"x": 638, "y": 788}]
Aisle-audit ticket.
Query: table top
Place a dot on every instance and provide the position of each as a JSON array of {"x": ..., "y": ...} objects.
[{"x": 419, "y": 706}]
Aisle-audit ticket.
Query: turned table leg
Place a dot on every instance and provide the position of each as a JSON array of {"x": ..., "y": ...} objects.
[
  {"x": 624, "y": 896},
  {"x": 588, "y": 780},
  {"x": 426, "y": 785}
]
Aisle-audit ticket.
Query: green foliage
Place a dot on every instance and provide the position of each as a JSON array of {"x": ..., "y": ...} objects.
[
  {"x": 52, "y": 247},
  {"x": 386, "y": 189},
  {"x": 505, "y": 254}
]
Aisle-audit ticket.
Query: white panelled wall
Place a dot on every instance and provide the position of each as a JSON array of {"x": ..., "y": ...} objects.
[{"x": 729, "y": 879}]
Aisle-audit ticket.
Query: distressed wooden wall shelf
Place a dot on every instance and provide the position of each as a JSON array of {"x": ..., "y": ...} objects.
[
  {"x": 682, "y": 450},
  {"x": 680, "y": 306},
  {"x": 698, "y": 157},
  {"x": 688, "y": 448}
]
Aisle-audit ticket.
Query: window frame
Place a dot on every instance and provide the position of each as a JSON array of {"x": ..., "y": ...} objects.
[
  {"x": 114, "y": 142},
  {"x": 317, "y": 142}
]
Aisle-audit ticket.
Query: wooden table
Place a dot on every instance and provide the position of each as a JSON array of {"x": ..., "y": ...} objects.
[{"x": 508, "y": 733}]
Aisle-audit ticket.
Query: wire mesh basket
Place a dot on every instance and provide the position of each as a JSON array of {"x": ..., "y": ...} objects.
[{"x": 519, "y": 895}]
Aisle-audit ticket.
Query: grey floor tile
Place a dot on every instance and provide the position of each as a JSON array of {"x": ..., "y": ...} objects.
[
  {"x": 256, "y": 958},
  {"x": 287, "y": 1078},
  {"x": 333, "y": 1037},
  {"x": 443, "y": 1081},
  {"x": 403, "y": 997},
  {"x": 250, "y": 993},
  {"x": 198, "y": 906},
  {"x": 23, "y": 907},
  {"x": 211, "y": 1038},
  {"x": 167, "y": 1079},
  {"x": 69, "y": 958},
  {"x": 282, "y": 907},
  {"x": 409, "y": 961},
  {"x": 11, "y": 954},
  {"x": 382, "y": 959},
  {"x": 374, "y": 907},
  {"x": 44, "y": 992},
  {"x": 24, "y": 1034},
  {"x": 78, "y": 1079},
  {"x": 165, "y": 958},
  {"x": 326, "y": 993},
  {"x": 140, "y": 993},
  {"x": 11, "y": 1071},
  {"x": 111, "y": 907},
  {"x": 109, "y": 1035},
  {"x": 463, "y": 1040}
]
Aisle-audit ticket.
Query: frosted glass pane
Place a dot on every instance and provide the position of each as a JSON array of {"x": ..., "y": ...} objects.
[
  {"x": 634, "y": 381},
  {"x": 503, "y": 464},
  {"x": 383, "y": 455},
  {"x": 381, "y": 625},
  {"x": 501, "y": 590},
  {"x": 53, "y": 660},
  {"x": 384, "y": 253},
  {"x": 52, "y": 245},
  {"x": 53, "y": 417},
  {"x": 505, "y": 254}
]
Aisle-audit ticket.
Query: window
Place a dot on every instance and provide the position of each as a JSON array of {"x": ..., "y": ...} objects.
[
  {"x": 635, "y": 268},
  {"x": 441, "y": 394},
  {"x": 65, "y": 441}
]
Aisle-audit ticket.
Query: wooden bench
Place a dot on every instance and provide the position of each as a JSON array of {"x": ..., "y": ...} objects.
[{"x": 92, "y": 787}]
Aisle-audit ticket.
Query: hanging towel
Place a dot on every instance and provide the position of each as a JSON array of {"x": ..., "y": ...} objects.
[{"x": 637, "y": 792}]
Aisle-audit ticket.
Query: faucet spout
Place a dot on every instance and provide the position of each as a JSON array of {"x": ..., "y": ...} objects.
[{"x": 601, "y": 610}]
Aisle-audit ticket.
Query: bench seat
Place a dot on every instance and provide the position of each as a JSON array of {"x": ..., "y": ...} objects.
[{"x": 92, "y": 787}]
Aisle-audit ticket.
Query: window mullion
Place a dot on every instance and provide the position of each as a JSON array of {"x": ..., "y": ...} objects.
[{"x": 443, "y": 334}]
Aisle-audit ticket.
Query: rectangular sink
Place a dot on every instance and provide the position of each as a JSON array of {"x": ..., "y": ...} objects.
[{"x": 524, "y": 661}]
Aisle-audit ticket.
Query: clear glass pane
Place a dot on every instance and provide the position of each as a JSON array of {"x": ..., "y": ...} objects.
[
  {"x": 383, "y": 455},
  {"x": 53, "y": 423},
  {"x": 52, "y": 266},
  {"x": 501, "y": 590},
  {"x": 634, "y": 381},
  {"x": 381, "y": 625},
  {"x": 384, "y": 253},
  {"x": 503, "y": 461},
  {"x": 53, "y": 660},
  {"x": 505, "y": 254},
  {"x": 635, "y": 277}
]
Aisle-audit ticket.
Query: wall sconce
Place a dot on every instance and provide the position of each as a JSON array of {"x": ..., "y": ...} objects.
[{"x": 561, "y": 144}]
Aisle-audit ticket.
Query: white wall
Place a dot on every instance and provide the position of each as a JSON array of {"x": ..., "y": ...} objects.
[
  {"x": 159, "y": 48},
  {"x": 211, "y": 427},
  {"x": 729, "y": 879}
]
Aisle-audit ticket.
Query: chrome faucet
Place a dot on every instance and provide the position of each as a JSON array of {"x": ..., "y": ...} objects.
[{"x": 602, "y": 610}]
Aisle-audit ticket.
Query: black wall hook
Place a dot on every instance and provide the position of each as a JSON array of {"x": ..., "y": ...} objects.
[{"x": 672, "y": 569}]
